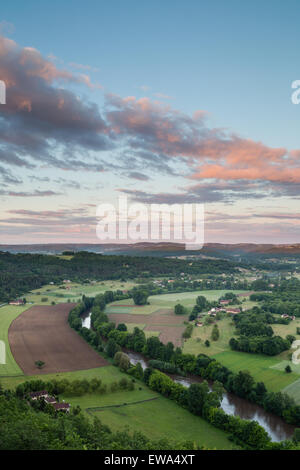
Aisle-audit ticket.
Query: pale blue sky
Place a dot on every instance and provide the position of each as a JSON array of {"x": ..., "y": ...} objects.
[{"x": 233, "y": 59}]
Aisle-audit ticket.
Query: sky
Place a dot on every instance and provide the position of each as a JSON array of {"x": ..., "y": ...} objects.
[{"x": 162, "y": 102}]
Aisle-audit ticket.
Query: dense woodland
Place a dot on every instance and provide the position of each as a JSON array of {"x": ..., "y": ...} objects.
[
  {"x": 256, "y": 334},
  {"x": 284, "y": 299},
  {"x": 20, "y": 273}
]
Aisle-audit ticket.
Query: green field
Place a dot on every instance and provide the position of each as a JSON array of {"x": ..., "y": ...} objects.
[
  {"x": 294, "y": 391},
  {"x": 157, "y": 419},
  {"x": 282, "y": 365},
  {"x": 107, "y": 374},
  {"x": 74, "y": 291},
  {"x": 195, "y": 345},
  {"x": 131, "y": 326},
  {"x": 162, "y": 418},
  {"x": 290, "y": 329},
  {"x": 7, "y": 314},
  {"x": 261, "y": 368},
  {"x": 187, "y": 299},
  {"x": 116, "y": 307},
  {"x": 148, "y": 334},
  {"x": 153, "y": 415}
]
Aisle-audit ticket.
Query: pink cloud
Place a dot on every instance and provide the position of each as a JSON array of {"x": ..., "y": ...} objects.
[{"x": 210, "y": 153}]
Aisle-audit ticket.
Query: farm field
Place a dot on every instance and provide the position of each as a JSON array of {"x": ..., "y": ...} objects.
[
  {"x": 282, "y": 364},
  {"x": 43, "y": 333},
  {"x": 157, "y": 418},
  {"x": 260, "y": 367},
  {"x": 294, "y": 391},
  {"x": 195, "y": 344},
  {"x": 159, "y": 316},
  {"x": 106, "y": 373},
  {"x": 290, "y": 329},
  {"x": 7, "y": 314},
  {"x": 74, "y": 291},
  {"x": 187, "y": 299},
  {"x": 162, "y": 322},
  {"x": 162, "y": 418}
]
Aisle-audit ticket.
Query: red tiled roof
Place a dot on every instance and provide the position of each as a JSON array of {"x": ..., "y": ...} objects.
[
  {"x": 38, "y": 394},
  {"x": 61, "y": 406}
]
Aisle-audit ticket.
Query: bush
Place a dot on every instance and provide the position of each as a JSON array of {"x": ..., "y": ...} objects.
[
  {"x": 288, "y": 369},
  {"x": 179, "y": 309}
]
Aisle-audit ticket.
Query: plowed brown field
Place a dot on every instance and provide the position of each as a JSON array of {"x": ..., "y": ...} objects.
[{"x": 43, "y": 333}]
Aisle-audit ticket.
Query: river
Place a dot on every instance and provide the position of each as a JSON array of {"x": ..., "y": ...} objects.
[{"x": 278, "y": 429}]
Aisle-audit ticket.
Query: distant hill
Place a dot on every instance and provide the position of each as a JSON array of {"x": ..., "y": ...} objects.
[{"x": 163, "y": 248}]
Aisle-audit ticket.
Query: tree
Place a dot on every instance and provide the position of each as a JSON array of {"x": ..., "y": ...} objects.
[
  {"x": 296, "y": 435},
  {"x": 122, "y": 361},
  {"x": 201, "y": 303},
  {"x": 196, "y": 397},
  {"x": 288, "y": 369},
  {"x": 122, "y": 327},
  {"x": 207, "y": 343},
  {"x": 140, "y": 296},
  {"x": 215, "y": 334},
  {"x": 39, "y": 364},
  {"x": 179, "y": 309},
  {"x": 111, "y": 347},
  {"x": 243, "y": 383}
]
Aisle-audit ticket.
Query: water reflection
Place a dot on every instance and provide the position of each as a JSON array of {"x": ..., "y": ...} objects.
[
  {"x": 86, "y": 320},
  {"x": 233, "y": 405}
]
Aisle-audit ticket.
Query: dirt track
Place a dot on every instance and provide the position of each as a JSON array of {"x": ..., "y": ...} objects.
[{"x": 43, "y": 333}]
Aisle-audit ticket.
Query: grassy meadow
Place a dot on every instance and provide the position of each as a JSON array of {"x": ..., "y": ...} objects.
[
  {"x": 74, "y": 291},
  {"x": 7, "y": 314},
  {"x": 162, "y": 418},
  {"x": 140, "y": 409},
  {"x": 261, "y": 368},
  {"x": 195, "y": 344}
]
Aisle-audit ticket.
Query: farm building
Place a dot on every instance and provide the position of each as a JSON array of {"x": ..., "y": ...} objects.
[
  {"x": 44, "y": 395},
  {"x": 292, "y": 317},
  {"x": 16, "y": 302},
  {"x": 39, "y": 395},
  {"x": 62, "y": 407},
  {"x": 50, "y": 400},
  {"x": 234, "y": 311}
]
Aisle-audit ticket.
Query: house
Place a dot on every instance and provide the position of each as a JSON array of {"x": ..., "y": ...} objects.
[
  {"x": 234, "y": 311},
  {"x": 50, "y": 400},
  {"x": 199, "y": 323},
  {"x": 212, "y": 312},
  {"x": 62, "y": 407},
  {"x": 39, "y": 395},
  {"x": 288, "y": 316},
  {"x": 16, "y": 302},
  {"x": 224, "y": 302}
]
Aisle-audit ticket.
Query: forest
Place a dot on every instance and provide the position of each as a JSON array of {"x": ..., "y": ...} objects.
[{"x": 20, "y": 273}]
